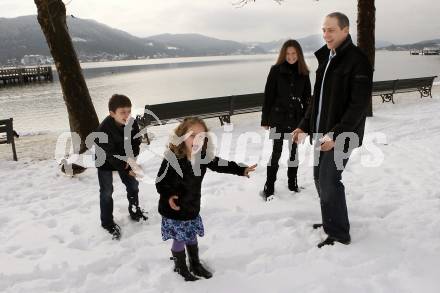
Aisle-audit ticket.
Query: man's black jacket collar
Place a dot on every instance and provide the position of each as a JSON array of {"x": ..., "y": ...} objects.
[{"x": 323, "y": 52}]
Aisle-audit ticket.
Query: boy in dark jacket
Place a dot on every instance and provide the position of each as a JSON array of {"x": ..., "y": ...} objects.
[{"x": 120, "y": 148}]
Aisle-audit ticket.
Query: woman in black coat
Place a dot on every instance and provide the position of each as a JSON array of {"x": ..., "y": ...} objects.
[{"x": 287, "y": 94}]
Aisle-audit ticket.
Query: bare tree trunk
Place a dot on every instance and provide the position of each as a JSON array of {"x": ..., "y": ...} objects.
[
  {"x": 82, "y": 115},
  {"x": 365, "y": 34}
]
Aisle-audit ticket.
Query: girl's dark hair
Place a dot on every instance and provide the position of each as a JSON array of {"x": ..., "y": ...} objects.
[
  {"x": 302, "y": 66},
  {"x": 118, "y": 101},
  {"x": 180, "y": 150}
]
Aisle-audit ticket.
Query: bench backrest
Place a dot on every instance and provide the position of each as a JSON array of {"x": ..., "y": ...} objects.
[
  {"x": 6, "y": 127},
  {"x": 383, "y": 87},
  {"x": 247, "y": 103},
  {"x": 205, "y": 108},
  {"x": 403, "y": 85}
]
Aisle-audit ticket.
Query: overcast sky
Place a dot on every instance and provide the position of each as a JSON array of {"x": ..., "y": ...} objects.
[{"x": 396, "y": 21}]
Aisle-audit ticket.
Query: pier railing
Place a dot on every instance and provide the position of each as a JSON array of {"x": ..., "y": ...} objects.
[{"x": 23, "y": 75}]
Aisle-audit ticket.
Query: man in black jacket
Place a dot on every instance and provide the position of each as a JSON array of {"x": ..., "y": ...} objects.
[
  {"x": 120, "y": 149},
  {"x": 337, "y": 115}
]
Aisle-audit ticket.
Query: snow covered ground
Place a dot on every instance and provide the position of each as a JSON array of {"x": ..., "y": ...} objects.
[{"x": 51, "y": 240}]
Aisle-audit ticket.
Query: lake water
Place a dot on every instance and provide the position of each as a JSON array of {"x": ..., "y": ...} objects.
[{"x": 40, "y": 107}]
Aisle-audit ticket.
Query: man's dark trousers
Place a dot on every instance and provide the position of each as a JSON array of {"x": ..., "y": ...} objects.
[{"x": 332, "y": 193}]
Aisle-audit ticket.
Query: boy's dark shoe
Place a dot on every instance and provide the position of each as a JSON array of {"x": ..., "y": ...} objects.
[
  {"x": 136, "y": 213},
  {"x": 331, "y": 241},
  {"x": 180, "y": 266},
  {"x": 195, "y": 266},
  {"x": 113, "y": 229}
]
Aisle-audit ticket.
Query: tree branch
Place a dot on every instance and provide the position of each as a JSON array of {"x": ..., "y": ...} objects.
[{"x": 242, "y": 3}]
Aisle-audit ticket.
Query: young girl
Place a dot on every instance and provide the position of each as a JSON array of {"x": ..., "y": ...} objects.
[
  {"x": 179, "y": 183},
  {"x": 286, "y": 97}
]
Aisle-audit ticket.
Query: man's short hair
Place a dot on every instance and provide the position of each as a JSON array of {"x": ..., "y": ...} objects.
[
  {"x": 118, "y": 101},
  {"x": 342, "y": 19}
]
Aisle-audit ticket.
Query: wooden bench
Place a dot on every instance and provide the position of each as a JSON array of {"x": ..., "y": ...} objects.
[
  {"x": 7, "y": 128},
  {"x": 387, "y": 88},
  {"x": 221, "y": 107},
  {"x": 225, "y": 107}
]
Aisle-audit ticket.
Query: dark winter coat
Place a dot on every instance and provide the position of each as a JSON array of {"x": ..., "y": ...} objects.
[
  {"x": 188, "y": 187},
  {"x": 286, "y": 96},
  {"x": 346, "y": 92},
  {"x": 115, "y": 144}
]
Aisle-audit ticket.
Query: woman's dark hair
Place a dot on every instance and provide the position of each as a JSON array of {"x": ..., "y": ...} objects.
[{"x": 302, "y": 66}]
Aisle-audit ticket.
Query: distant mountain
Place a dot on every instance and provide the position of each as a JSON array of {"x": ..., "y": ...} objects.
[
  {"x": 381, "y": 44},
  {"x": 200, "y": 45},
  {"x": 93, "y": 41},
  {"x": 22, "y": 35},
  {"x": 415, "y": 46},
  {"x": 309, "y": 44}
]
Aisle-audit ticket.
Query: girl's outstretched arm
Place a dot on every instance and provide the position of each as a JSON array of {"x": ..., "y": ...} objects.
[
  {"x": 223, "y": 166},
  {"x": 249, "y": 169}
]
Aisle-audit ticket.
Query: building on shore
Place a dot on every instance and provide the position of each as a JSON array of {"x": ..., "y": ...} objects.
[{"x": 32, "y": 60}]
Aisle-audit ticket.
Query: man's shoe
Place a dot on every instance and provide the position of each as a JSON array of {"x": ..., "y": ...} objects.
[{"x": 331, "y": 241}]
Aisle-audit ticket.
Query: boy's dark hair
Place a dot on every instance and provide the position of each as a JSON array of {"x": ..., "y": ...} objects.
[
  {"x": 342, "y": 19},
  {"x": 118, "y": 101}
]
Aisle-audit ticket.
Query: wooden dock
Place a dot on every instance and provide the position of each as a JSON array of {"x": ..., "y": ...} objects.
[
  {"x": 25, "y": 75},
  {"x": 425, "y": 51}
]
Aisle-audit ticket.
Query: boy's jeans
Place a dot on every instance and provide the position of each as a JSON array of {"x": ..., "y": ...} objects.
[{"x": 105, "y": 178}]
